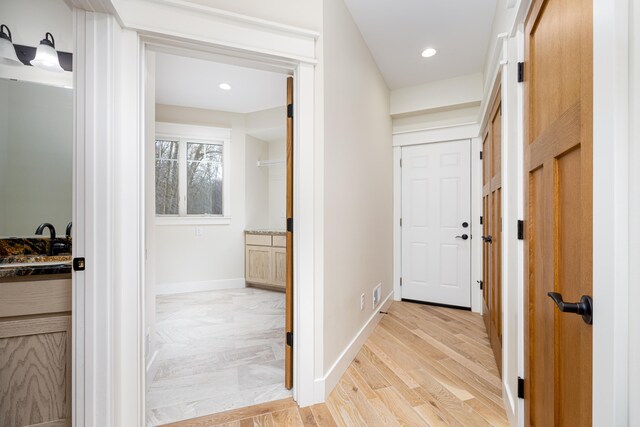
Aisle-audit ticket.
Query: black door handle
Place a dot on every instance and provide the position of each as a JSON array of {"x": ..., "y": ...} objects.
[
  {"x": 463, "y": 237},
  {"x": 583, "y": 308},
  {"x": 487, "y": 239}
]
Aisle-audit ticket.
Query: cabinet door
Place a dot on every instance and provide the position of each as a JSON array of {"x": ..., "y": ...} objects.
[
  {"x": 280, "y": 267},
  {"x": 259, "y": 262},
  {"x": 35, "y": 371}
]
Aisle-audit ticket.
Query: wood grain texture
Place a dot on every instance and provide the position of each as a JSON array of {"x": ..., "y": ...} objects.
[
  {"x": 24, "y": 298},
  {"x": 558, "y": 166},
  {"x": 35, "y": 371},
  {"x": 422, "y": 366},
  {"x": 279, "y": 274},
  {"x": 258, "y": 264},
  {"x": 492, "y": 226},
  {"x": 288, "y": 381}
]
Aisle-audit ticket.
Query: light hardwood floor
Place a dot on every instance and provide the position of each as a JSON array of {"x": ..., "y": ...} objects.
[{"x": 422, "y": 366}]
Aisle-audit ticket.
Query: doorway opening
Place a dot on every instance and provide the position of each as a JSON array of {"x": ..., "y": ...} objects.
[{"x": 218, "y": 267}]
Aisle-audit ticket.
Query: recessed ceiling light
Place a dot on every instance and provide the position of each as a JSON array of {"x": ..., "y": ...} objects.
[
  {"x": 429, "y": 52},
  {"x": 225, "y": 86}
]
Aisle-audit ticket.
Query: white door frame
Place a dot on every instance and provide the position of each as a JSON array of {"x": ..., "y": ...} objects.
[
  {"x": 443, "y": 134},
  {"x": 615, "y": 212},
  {"x": 108, "y": 307}
]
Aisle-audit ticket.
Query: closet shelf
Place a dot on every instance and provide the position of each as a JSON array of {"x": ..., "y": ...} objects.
[{"x": 269, "y": 162}]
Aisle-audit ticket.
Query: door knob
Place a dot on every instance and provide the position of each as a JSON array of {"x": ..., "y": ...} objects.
[
  {"x": 487, "y": 239},
  {"x": 583, "y": 308},
  {"x": 465, "y": 224},
  {"x": 463, "y": 237}
]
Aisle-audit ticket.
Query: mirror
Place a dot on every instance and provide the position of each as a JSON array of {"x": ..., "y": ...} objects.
[{"x": 36, "y": 155}]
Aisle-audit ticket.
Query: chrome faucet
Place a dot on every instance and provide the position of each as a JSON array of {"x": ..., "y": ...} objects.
[
  {"x": 68, "y": 231},
  {"x": 52, "y": 231}
]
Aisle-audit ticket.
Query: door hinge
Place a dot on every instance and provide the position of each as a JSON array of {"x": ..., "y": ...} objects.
[
  {"x": 481, "y": 283},
  {"x": 480, "y": 219},
  {"x": 401, "y": 281},
  {"x": 520, "y": 72},
  {"x": 520, "y": 229},
  {"x": 481, "y": 155},
  {"x": 520, "y": 388},
  {"x": 400, "y": 222},
  {"x": 289, "y": 111},
  {"x": 78, "y": 264},
  {"x": 400, "y": 162},
  {"x": 290, "y": 225},
  {"x": 290, "y": 339}
]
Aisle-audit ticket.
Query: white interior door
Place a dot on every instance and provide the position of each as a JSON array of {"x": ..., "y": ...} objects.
[{"x": 436, "y": 218}]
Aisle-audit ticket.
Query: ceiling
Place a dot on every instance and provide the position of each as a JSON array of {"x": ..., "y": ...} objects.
[
  {"x": 190, "y": 82},
  {"x": 397, "y": 32}
]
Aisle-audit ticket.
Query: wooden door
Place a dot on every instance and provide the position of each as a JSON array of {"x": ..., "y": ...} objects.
[
  {"x": 558, "y": 210},
  {"x": 492, "y": 227},
  {"x": 436, "y": 244},
  {"x": 288, "y": 357}
]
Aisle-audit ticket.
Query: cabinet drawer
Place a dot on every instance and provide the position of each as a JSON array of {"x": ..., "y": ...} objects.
[
  {"x": 35, "y": 297},
  {"x": 258, "y": 239},
  {"x": 280, "y": 241}
]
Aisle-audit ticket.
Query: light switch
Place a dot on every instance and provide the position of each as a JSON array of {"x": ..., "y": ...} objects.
[{"x": 198, "y": 231}]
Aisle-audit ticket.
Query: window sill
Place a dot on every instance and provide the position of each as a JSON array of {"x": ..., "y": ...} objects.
[{"x": 193, "y": 220}]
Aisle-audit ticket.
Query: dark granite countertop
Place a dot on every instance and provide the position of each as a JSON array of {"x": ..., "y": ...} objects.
[
  {"x": 266, "y": 232},
  {"x": 26, "y": 256},
  {"x": 36, "y": 269}
]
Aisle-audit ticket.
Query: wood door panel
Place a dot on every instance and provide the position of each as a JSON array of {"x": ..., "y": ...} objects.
[
  {"x": 288, "y": 358},
  {"x": 259, "y": 263},
  {"x": 279, "y": 266},
  {"x": 492, "y": 226},
  {"x": 554, "y": 52},
  {"x": 558, "y": 210},
  {"x": 35, "y": 371},
  {"x": 541, "y": 377}
]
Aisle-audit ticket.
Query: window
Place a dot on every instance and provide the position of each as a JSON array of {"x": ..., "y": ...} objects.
[{"x": 192, "y": 174}]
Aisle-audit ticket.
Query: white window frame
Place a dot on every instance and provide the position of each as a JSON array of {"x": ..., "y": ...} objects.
[{"x": 200, "y": 134}]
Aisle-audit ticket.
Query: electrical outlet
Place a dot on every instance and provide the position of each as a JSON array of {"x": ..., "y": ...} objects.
[
  {"x": 377, "y": 293},
  {"x": 362, "y": 302},
  {"x": 198, "y": 231}
]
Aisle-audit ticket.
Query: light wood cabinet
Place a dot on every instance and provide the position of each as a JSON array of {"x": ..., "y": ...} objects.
[
  {"x": 35, "y": 353},
  {"x": 266, "y": 260}
]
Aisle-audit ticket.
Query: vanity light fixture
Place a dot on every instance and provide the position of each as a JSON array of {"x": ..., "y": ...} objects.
[
  {"x": 224, "y": 86},
  {"x": 7, "y": 49},
  {"x": 429, "y": 52},
  {"x": 46, "y": 55}
]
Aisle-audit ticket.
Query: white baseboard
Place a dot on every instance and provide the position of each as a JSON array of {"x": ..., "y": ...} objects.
[
  {"x": 325, "y": 386},
  {"x": 206, "y": 285}
]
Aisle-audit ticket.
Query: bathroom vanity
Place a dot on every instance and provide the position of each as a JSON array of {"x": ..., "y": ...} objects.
[
  {"x": 266, "y": 259},
  {"x": 35, "y": 340}
]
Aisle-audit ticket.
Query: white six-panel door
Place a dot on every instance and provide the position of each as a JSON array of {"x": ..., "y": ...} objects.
[{"x": 436, "y": 193}]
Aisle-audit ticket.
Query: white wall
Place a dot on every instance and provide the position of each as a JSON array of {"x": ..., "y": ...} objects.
[
  {"x": 36, "y": 146},
  {"x": 257, "y": 183},
  {"x": 357, "y": 182},
  {"x": 218, "y": 254},
  {"x": 28, "y": 22},
  {"x": 438, "y": 119},
  {"x": 457, "y": 92},
  {"x": 277, "y": 186}
]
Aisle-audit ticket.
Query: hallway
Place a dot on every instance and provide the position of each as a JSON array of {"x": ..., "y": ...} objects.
[{"x": 423, "y": 365}]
